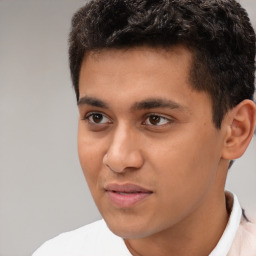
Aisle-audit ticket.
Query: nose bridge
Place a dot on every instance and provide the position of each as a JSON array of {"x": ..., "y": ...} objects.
[
  {"x": 122, "y": 138},
  {"x": 123, "y": 151}
]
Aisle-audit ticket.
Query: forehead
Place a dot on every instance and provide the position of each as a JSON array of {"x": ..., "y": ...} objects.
[
  {"x": 133, "y": 75},
  {"x": 141, "y": 64}
]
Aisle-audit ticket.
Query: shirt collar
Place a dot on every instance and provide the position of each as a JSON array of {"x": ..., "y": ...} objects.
[{"x": 225, "y": 242}]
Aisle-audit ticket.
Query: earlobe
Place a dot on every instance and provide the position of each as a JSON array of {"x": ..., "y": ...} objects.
[{"x": 239, "y": 130}]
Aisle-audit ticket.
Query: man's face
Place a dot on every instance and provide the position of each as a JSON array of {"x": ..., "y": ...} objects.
[{"x": 147, "y": 144}]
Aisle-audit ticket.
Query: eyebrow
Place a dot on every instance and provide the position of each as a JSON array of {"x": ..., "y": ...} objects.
[
  {"x": 142, "y": 105},
  {"x": 156, "y": 103},
  {"x": 92, "y": 102}
]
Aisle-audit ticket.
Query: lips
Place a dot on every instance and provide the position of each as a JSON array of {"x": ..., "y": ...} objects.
[{"x": 126, "y": 195}]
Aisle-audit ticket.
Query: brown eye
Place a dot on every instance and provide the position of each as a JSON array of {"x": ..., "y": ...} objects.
[
  {"x": 154, "y": 119},
  {"x": 97, "y": 118},
  {"x": 157, "y": 120}
]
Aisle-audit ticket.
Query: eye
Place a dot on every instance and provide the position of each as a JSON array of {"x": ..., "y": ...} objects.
[
  {"x": 156, "y": 120},
  {"x": 97, "y": 118}
]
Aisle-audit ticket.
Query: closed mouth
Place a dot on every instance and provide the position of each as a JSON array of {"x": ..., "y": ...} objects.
[
  {"x": 126, "y": 195},
  {"x": 127, "y": 188}
]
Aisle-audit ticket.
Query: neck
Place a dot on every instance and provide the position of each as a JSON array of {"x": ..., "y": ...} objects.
[{"x": 195, "y": 235}]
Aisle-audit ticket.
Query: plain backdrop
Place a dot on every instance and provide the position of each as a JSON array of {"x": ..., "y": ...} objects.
[{"x": 42, "y": 189}]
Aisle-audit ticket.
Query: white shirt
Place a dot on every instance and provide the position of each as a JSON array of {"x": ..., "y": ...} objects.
[
  {"x": 238, "y": 239},
  {"x": 239, "y": 236}
]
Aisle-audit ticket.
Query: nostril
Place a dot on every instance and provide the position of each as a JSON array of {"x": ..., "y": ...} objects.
[
  {"x": 110, "y": 168},
  {"x": 120, "y": 161}
]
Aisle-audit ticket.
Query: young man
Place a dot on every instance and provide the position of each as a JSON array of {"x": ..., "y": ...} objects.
[{"x": 164, "y": 91}]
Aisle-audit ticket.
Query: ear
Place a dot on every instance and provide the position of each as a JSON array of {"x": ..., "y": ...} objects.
[{"x": 239, "y": 129}]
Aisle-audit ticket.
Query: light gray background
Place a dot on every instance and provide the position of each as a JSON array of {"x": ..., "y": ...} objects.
[{"x": 42, "y": 189}]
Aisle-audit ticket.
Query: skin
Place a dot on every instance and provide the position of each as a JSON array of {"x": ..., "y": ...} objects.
[{"x": 172, "y": 149}]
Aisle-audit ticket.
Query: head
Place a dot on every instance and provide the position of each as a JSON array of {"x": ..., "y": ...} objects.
[{"x": 164, "y": 91}]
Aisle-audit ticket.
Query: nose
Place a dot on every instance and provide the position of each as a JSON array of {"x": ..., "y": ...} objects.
[{"x": 124, "y": 151}]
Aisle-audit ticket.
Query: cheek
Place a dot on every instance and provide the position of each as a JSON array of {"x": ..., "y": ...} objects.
[
  {"x": 184, "y": 164},
  {"x": 90, "y": 154},
  {"x": 184, "y": 182}
]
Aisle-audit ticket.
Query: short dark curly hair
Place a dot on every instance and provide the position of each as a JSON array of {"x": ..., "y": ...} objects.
[{"x": 217, "y": 32}]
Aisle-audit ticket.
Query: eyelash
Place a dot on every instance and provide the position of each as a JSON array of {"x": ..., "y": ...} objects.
[
  {"x": 158, "y": 116},
  {"x": 166, "y": 120},
  {"x": 91, "y": 114}
]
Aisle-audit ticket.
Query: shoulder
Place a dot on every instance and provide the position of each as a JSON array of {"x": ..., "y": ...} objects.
[
  {"x": 245, "y": 240},
  {"x": 93, "y": 239}
]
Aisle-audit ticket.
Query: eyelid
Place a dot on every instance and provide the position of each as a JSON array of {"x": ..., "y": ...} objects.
[
  {"x": 167, "y": 118},
  {"x": 91, "y": 113}
]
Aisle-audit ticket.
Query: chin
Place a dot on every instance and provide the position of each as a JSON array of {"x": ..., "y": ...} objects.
[{"x": 130, "y": 230}]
